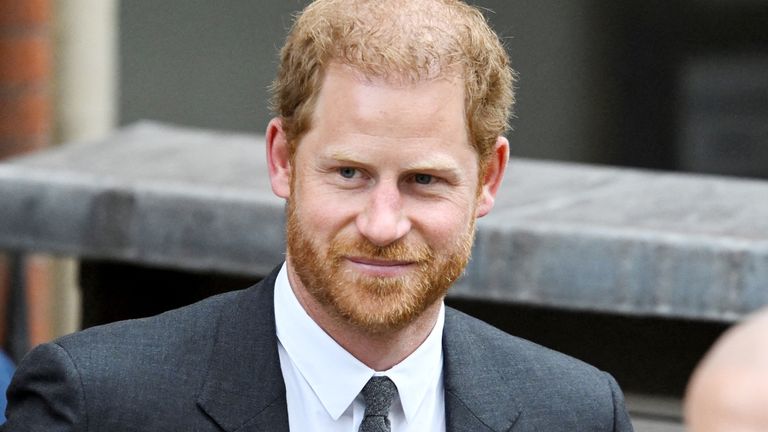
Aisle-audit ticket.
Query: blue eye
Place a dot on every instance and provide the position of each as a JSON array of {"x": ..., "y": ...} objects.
[
  {"x": 422, "y": 179},
  {"x": 347, "y": 172}
]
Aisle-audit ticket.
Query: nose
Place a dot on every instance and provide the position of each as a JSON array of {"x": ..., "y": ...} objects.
[{"x": 383, "y": 219}]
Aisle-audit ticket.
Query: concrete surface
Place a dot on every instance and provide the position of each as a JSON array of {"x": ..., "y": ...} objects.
[{"x": 562, "y": 235}]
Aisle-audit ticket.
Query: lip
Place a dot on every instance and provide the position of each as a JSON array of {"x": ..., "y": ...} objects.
[{"x": 378, "y": 267}]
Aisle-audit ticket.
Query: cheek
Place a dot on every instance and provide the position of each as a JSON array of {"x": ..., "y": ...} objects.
[
  {"x": 442, "y": 225},
  {"x": 321, "y": 211}
]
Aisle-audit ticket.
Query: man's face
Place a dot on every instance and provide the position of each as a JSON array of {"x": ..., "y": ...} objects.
[{"x": 383, "y": 198}]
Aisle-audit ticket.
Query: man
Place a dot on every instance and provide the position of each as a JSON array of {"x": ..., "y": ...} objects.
[
  {"x": 386, "y": 149},
  {"x": 729, "y": 389}
]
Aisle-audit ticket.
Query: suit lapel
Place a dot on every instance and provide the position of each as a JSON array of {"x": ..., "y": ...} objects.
[
  {"x": 477, "y": 394},
  {"x": 244, "y": 389}
]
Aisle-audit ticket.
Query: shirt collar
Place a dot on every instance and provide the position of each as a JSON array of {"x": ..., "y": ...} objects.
[{"x": 334, "y": 374}]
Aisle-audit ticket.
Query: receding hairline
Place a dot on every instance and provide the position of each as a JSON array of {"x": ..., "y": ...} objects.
[
  {"x": 426, "y": 29},
  {"x": 404, "y": 41},
  {"x": 452, "y": 73}
]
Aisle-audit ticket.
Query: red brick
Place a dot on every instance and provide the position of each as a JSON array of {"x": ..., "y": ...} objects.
[
  {"x": 24, "y": 59},
  {"x": 24, "y": 12},
  {"x": 24, "y": 113},
  {"x": 25, "y": 123}
]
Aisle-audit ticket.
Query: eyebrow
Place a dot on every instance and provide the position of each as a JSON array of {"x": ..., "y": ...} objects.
[{"x": 434, "y": 163}]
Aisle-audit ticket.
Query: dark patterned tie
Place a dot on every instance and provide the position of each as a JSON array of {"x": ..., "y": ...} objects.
[{"x": 378, "y": 393}]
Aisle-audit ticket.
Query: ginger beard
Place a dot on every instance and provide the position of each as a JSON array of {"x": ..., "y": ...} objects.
[{"x": 375, "y": 304}]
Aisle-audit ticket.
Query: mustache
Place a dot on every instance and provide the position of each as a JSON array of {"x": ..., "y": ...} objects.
[{"x": 398, "y": 250}]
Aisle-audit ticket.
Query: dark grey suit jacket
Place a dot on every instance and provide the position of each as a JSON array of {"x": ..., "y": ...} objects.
[{"x": 213, "y": 366}]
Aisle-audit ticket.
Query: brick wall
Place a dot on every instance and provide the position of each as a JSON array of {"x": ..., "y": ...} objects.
[
  {"x": 25, "y": 126},
  {"x": 25, "y": 76}
]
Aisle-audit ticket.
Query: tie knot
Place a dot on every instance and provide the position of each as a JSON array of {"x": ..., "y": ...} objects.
[{"x": 378, "y": 394}]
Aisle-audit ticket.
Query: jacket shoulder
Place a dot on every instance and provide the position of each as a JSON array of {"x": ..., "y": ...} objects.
[
  {"x": 549, "y": 389},
  {"x": 197, "y": 321},
  {"x": 145, "y": 371}
]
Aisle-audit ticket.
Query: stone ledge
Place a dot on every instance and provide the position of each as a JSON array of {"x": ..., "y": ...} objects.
[{"x": 561, "y": 235}]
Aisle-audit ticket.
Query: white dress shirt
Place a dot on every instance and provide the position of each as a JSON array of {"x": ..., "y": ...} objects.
[{"x": 323, "y": 381}]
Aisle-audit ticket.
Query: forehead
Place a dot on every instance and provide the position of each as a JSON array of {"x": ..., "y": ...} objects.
[
  {"x": 388, "y": 106},
  {"x": 358, "y": 117}
]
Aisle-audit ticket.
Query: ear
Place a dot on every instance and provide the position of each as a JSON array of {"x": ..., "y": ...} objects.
[
  {"x": 494, "y": 174},
  {"x": 278, "y": 159}
]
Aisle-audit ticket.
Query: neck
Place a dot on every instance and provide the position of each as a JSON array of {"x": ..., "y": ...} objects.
[{"x": 379, "y": 351}]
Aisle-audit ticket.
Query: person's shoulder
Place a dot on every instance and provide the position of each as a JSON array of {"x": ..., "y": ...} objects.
[
  {"x": 514, "y": 353},
  {"x": 192, "y": 321},
  {"x": 554, "y": 391},
  {"x": 149, "y": 370},
  {"x": 180, "y": 339}
]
